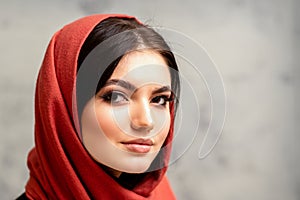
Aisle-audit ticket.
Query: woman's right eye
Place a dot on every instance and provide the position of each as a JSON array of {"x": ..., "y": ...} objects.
[{"x": 114, "y": 97}]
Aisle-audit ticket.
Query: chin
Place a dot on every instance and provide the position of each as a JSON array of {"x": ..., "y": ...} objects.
[
  {"x": 135, "y": 164},
  {"x": 136, "y": 168}
]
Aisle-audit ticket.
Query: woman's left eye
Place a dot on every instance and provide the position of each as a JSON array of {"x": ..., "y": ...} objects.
[{"x": 161, "y": 100}]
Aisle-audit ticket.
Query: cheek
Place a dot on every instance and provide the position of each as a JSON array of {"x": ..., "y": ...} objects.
[
  {"x": 165, "y": 127},
  {"x": 106, "y": 120},
  {"x": 98, "y": 119}
]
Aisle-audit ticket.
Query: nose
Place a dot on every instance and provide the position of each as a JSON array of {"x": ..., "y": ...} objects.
[{"x": 141, "y": 118}]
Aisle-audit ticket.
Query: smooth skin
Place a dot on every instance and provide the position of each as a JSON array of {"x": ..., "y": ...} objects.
[{"x": 125, "y": 125}]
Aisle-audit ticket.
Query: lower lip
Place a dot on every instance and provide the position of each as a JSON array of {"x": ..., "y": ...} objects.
[{"x": 138, "y": 148}]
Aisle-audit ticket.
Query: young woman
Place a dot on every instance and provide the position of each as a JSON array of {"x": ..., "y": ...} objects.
[{"x": 104, "y": 113}]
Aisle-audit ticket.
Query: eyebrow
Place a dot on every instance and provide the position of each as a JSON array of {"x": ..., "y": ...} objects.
[
  {"x": 121, "y": 83},
  {"x": 162, "y": 89},
  {"x": 131, "y": 87}
]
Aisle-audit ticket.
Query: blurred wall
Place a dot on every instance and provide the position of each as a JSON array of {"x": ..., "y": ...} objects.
[{"x": 256, "y": 47}]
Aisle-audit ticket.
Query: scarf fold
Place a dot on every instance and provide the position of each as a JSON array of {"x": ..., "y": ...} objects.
[{"x": 60, "y": 167}]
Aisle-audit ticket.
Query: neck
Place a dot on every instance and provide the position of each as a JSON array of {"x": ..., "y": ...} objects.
[{"x": 111, "y": 171}]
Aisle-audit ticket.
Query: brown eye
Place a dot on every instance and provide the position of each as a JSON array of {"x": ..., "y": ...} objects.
[
  {"x": 161, "y": 100},
  {"x": 114, "y": 97}
]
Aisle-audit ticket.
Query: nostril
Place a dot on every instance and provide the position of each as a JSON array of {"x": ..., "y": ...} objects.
[{"x": 142, "y": 125}]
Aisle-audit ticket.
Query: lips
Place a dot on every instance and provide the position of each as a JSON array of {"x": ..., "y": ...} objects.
[{"x": 138, "y": 145}]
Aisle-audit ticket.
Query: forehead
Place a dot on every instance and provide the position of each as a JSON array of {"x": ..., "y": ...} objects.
[{"x": 143, "y": 67}]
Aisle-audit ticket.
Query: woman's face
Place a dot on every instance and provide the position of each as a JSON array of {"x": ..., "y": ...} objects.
[{"x": 125, "y": 125}]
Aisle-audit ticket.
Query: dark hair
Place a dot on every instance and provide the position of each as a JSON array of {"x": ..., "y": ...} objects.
[{"x": 117, "y": 36}]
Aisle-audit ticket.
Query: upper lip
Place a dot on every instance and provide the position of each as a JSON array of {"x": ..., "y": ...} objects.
[{"x": 139, "y": 141}]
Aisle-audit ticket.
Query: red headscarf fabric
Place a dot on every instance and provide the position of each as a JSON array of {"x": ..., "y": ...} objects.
[{"x": 60, "y": 167}]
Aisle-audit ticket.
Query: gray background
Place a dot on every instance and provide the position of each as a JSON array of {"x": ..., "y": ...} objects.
[{"x": 255, "y": 44}]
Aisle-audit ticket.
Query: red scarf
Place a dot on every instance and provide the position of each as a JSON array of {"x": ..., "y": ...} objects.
[{"x": 60, "y": 167}]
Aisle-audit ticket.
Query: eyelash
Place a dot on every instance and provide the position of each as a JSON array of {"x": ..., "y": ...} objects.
[
  {"x": 108, "y": 97},
  {"x": 111, "y": 95},
  {"x": 164, "y": 97}
]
